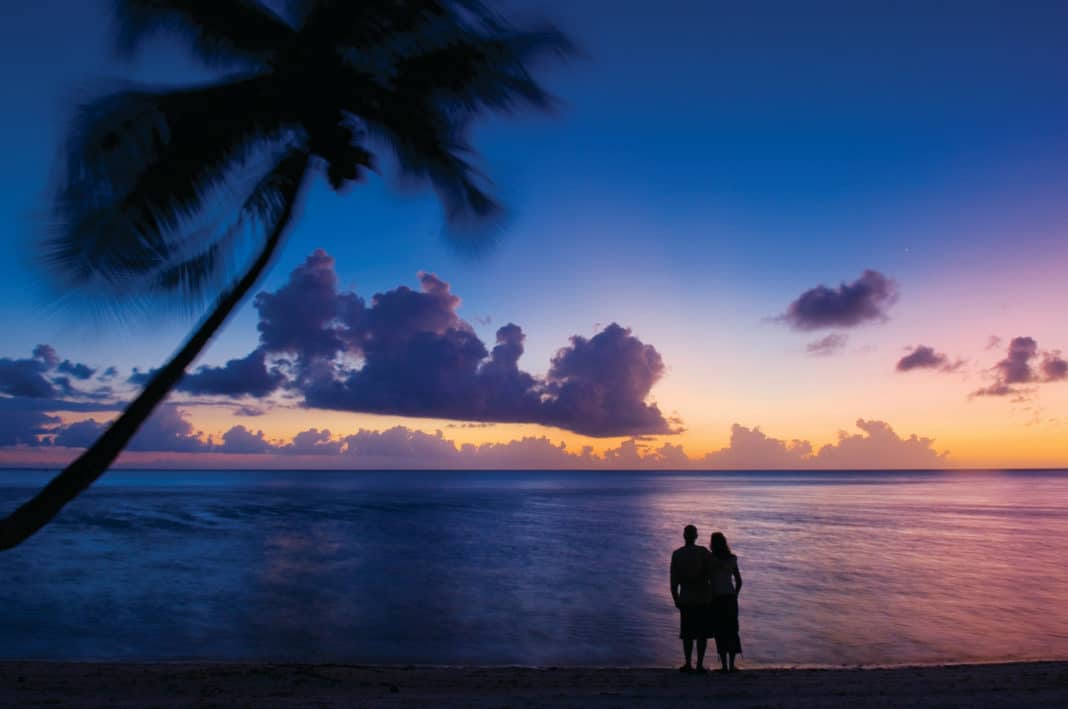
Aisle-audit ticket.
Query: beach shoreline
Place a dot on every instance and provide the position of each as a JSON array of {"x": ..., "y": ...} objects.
[{"x": 134, "y": 684}]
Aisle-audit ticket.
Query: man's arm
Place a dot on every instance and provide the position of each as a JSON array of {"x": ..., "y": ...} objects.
[{"x": 674, "y": 583}]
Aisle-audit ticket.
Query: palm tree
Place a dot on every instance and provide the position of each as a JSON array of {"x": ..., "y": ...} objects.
[{"x": 319, "y": 88}]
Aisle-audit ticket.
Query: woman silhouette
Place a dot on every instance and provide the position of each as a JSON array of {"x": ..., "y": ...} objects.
[{"x": 726, "y": 583}]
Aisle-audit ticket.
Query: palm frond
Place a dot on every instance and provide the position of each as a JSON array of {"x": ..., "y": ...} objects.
[
  {"x": 421, "y": 72},
  {"x": 220, "y": 31},
  {"x": 201, "y": 271},
  {"x": 431, "y": 145},
  {"x": 141, "y": 165},
  {"x": 474, "y": 71}
]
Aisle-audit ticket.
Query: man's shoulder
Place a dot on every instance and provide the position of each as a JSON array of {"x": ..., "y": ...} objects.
[{"x": 691, "y": 550}]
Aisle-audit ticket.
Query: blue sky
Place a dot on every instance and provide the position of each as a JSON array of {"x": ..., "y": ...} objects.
[{"x": 710, "y": 162}]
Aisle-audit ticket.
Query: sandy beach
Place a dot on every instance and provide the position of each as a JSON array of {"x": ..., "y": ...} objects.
[{"x": 1034, "y": 684}]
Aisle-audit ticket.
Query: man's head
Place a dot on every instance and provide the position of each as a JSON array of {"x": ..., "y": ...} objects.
[{"x": 690, "y": 534}]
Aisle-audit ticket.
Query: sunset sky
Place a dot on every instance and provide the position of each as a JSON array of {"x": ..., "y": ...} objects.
[{"x": 783, "y": 234}]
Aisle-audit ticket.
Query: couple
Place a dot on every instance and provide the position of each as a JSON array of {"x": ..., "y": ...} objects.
[{"x": 705, "y": 585}]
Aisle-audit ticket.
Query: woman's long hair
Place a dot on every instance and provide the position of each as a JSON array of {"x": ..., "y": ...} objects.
[{"x": 719, "y": 547}]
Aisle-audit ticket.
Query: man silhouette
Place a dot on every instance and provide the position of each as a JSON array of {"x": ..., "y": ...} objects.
[{"x": 690, "y": 589}]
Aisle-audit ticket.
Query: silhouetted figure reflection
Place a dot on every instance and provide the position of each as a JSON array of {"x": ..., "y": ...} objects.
[
  {"x": 691, "y": 566},
  {"x": 726, "y": 582}
]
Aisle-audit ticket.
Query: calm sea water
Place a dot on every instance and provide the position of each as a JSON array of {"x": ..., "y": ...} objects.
[{"x": 537, "y": 568}]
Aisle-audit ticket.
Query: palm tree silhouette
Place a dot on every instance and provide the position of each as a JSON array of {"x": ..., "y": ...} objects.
[{"x": 148, "y": 170}]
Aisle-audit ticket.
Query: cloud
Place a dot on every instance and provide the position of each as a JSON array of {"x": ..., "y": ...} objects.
[
  {"x": 1054, "y": 367},
  {"x": 924, "y": 357},
  {"x": 826, "y": 346},
  {"x": 25, "y": 377},
  {"x": 75, "y": 369},
  {"x": 875, "y": 446},
  {"x": 248, "y": 375},
  {"x": 752, "y": 448},
  {"x": 241, "y": 440},
  {"x": 401, "y": 445},
  {"x": 80, "y": 434},
  {"x": 168, "y": 429},
  {"x": 409, "y": 353},
  {"x": 1018, "y": 367},
  {"x": 249, "y": 411},
  {"x": 307, "y": 316},
  {"x": 851, "y": 304},
  {"x": 26, "y": 428},
  {"x": 313, "y": 442},
  {"x": 878, "y": 444}
]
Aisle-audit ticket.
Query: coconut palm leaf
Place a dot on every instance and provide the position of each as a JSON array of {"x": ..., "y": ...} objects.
[
  {"x": 219, "y": 31},
  {"x": 141, "y": 167}
]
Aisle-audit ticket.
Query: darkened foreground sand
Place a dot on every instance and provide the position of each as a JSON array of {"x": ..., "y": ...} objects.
[{"x": 22, "y": 684}]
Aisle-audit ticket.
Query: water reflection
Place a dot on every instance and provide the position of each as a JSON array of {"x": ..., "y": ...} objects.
[{"x": 538, "y": 568}]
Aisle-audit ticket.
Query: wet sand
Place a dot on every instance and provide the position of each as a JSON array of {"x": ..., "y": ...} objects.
[{"x": 22, "y": 684}]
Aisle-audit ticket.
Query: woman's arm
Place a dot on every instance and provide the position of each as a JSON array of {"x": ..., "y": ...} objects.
[{"x": 737, "y": 577}]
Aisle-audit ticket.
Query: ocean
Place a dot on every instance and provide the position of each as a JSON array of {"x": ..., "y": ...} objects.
[{"x": 537, "y": 568}]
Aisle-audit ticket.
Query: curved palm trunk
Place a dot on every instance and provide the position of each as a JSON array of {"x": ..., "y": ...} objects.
[{"x": 90, "y": 465}]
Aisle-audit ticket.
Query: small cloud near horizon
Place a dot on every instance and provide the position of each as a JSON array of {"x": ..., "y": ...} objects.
[{"x": 170, "y": 431}]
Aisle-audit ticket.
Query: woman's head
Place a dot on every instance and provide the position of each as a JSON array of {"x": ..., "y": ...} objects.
[{"x": 719, "y": 546}]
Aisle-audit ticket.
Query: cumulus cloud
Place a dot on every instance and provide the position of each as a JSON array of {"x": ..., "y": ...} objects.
[
  {"x": 1024, "y": 364},
  {"x": 1054, "y": 367},
  {"x": 248, "y": 375},
  {"x": 879, "y": 445},
  {"x": 168, "y": 429},
  {"x": 80, "y": 434},
  {"x": 827, "y": 346},
  {"x": 26, "y": 429},
  {"x": 409, "y": 353},
  {"x": 752, "y": 448},
  {"x": 849, "y": 305},
  {"x": 307, "y": 316},
  {"x": 241, "y": 440},
  {"x": 875, "y": 446},
  {"x": 924, "y": 357},
  {"x": 26, "y": 377},
  {"x": 313, "y": 442},
  {"x": 75, "y": 369}
]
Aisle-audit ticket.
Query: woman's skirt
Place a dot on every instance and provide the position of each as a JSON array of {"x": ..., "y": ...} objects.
[{"x": 724, "y": 616}]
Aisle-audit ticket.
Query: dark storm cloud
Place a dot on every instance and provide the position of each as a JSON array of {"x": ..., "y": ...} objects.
[
  {"x": 417, "y": 357},
  {"x": 248, "y": 375},
  {"x": 850, "y": 304},
  {"x": 1018, "y": 367},
  {"x": 924, "y": 357},
  {"x": 826, "y": 346}
]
